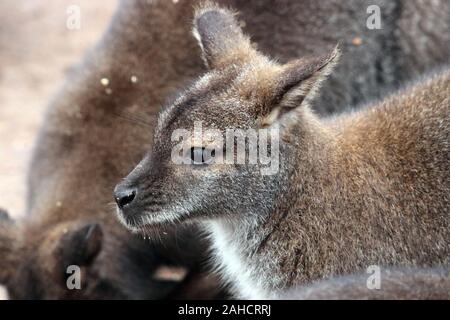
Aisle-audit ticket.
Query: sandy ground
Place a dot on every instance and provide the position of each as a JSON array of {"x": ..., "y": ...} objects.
[{"x": 36, "y": 50}]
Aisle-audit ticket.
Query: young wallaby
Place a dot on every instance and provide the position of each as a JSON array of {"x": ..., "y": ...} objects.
[
  {"x": 360, "y": 189},
  {"x": 93, "y": 136},
  {"x": 396, "y": 284}
]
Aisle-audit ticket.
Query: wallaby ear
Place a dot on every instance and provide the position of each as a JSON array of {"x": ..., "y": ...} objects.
[
  {"x": 82, "y": 245},
  {"x": 8, "y": 241},
  {"x": 220, "y": 36},
  {"x": 298, "y": 83}
]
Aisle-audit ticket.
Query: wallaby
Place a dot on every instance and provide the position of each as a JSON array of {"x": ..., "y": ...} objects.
[
  {"x": 359, "y": 189},
  {"x": 395, "y": 284},
  {"x": 146, "y": 54}
]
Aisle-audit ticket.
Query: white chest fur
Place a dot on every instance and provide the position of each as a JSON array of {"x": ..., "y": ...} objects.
[{"x": 247, "y": 280}]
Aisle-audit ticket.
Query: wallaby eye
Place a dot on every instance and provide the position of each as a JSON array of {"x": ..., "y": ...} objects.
[{"x": 201, "y": 155}]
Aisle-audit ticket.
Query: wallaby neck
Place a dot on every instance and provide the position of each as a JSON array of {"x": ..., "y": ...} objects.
[{"x": 253, "y": 251}]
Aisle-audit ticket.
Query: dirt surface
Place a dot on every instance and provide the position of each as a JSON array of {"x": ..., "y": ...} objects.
[{"x": 36, "y": 50}]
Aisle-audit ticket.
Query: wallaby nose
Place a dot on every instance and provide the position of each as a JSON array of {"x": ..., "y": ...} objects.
[{"x": 124, "y": 196}]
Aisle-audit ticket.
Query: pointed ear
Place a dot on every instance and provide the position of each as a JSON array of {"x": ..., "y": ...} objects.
[
  {"x": 8, "y": 241},
  {"x": 82, "y": 245},
  {"x": 298, "y": 84},
  {"x": 220, "y": 37}
]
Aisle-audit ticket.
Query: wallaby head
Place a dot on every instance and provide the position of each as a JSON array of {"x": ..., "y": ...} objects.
[
  {"x": 190, "y": 175},
  {"x": 75, "y": 163},
  {"x": 46, "y": 254}
]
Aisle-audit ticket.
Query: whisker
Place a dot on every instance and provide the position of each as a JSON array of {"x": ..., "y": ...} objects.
[{"x": 133, "y": 118}]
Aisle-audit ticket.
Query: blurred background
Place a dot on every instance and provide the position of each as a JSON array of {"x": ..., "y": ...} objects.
[{"x": 36, "y": 50}]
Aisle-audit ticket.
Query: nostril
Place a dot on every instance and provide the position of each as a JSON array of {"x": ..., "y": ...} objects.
[{"x": 124, "y": 198}]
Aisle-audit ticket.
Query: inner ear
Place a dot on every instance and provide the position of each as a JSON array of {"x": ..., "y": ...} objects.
[
  {"x": 302, "y": 78},
  {"x": 82, "y": 245},
  {"x": 298, "y": 83}
]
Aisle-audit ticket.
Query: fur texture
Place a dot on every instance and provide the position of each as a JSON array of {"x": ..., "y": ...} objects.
[
  {"x": 366, "y": 188},
  {"x": 94, "y": 134},
  {"x": 396, "y": 284}
]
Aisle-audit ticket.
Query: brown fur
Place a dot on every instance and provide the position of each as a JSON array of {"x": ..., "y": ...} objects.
[
  {"x": 92, "y": 138},
  {"x": 8, "y": 232},
  {"x": 371, "y": 187},
  {"x": 400, "y": 284}
]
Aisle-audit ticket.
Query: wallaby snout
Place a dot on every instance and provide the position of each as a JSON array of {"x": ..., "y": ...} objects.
[
  {"x": 124, "y": 196},
  {"x": 127, "y": 204}
]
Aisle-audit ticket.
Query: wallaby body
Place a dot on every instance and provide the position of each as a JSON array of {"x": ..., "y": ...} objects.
[
  {"x": 397, "y": 284},
  {"x": 93, "y": 134},
  {"x": 360, "y": 189}
]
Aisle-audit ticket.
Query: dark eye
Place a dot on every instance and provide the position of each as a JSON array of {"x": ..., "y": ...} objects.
[{"x": 201, "y": 155}]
